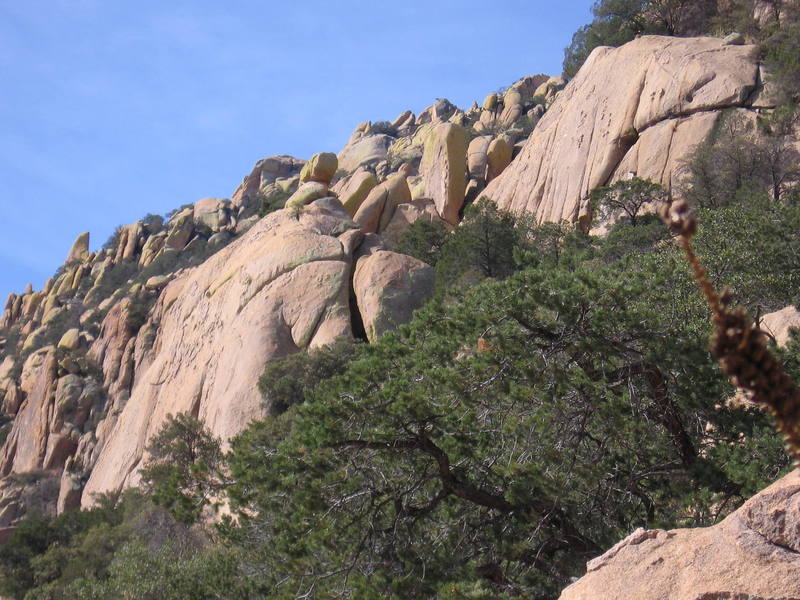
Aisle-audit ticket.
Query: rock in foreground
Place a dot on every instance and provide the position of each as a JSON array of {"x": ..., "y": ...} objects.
[{"x": 754, "y": 554}]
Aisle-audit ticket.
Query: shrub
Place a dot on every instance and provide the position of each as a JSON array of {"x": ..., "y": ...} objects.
[
  {"x": 270, "y": 203},
  {"x": 287, "y": 381},
  {"x": 737, "y": 161},
  {"x": 619, "y": 21},
  {"x": 183, "y": 473},
  {"x": 423, "y": 240},
  {"x": 628, "y": 198}
]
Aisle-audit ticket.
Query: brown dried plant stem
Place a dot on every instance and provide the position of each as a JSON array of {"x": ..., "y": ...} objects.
[{"x": 739, "y": 345}]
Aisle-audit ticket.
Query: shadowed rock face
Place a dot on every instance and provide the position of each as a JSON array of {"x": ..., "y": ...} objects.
[
  {"x": 635, "y": 109},
  {"x": 754, "y": 554},
  {"x": 282, "y": 287}
]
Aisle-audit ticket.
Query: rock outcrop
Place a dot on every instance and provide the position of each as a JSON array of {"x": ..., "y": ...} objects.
[
  {"x": 79, "y": 249},
  {"x": 266, "y": 172},
  {"x": 779, "y": 324},
  {"x": 378, "y": 208},
  {"x": 353, "y": 190},
  {"x": 364, "y": 150},
  {"x": 635, "y": 109},
  {"x": 282, "y": 287},
  {"x": 389, "y": 287},
  {"x": 321, "y": 168},
  {"x": 444, "y": 169},
  {"x": 753, "y": 554},
  {"x": 182, "y": 315}
]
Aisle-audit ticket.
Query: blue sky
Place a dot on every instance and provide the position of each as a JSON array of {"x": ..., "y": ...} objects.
[{"x": 110, "y": 110}]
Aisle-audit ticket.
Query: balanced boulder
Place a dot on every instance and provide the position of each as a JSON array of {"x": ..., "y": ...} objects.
[{"x": 321, "y": 168}]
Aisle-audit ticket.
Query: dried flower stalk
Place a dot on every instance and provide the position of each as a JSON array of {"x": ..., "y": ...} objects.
[{"x": 738, "y": 344}]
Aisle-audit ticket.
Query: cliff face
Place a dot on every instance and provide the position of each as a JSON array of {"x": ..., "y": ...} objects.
[{"x": 638, "y": 109}]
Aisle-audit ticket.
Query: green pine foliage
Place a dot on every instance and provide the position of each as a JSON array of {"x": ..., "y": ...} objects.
[
  {"x": 184, "y": 470},
  {"x": 502, "y": 438},
  {"x": 288, "y": 381}
]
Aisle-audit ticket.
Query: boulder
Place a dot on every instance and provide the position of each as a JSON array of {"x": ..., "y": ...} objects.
[
  {"x": 389, "y": 287},
  {"x": 378, "y": 208},
  {"x": 616, "y": 97},
  {"x": 477, "y": 157},
  {"x": 366, "y": 150},
  {"x": 353, "y": 190},
  {"x": 80, "y": 248},
  {"x": 548, "y": 89},
  {"x": 181, "y": 227},
  {"x": 321, "y": 168},
  {"x": 132, "y": 240},
  {"x": 218, "y": 239},
  {"x": 404, "y": 119},
  {"x": 733, "y": 39},
  {"x": 439, "y": 111},
  {"x": 69, "y": 493},
  {"x": 74, "y": 397},
  {"x": 71, "y": 340},
  {"x": 754, "y": 554},
  {"x": 779, "y": 324},
  {"x": 444, "y": 168},
  {"x": 305, "y": 194},
  {"x": 156, "y": 282},
  {"x": 490, "y": 102},
  {"x": 265, "y": 172},
  {"x": 151, "y": 248},
  {"x": 206, "y": 212},
  {"x": 528, "y": 86},
  {"x": 498, "y": 157}
]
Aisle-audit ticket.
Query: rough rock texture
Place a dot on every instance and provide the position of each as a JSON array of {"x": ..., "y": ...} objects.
[
  {"x": 499, "y": 157},
  {"x": 364, "y": 150},
  {"x": 389, "y": 287},
  {"x": 444, "y": 168},
  {"x": 265, "y": 172},
  {"x": 353, "y": 190},
  {"x": 306, "y": 193},
  {"x": 778, "y": 323},
  {"x": 80, "y": 248},
  {"x": 281, "y": 287},
  {"x": 321, "y": 167},
  {"x": 27, "y": 443},
  {"x": 477, "y": 157},
  {"x": 379, "y": 207},
  {"x": 180, "y": 230},
  {"x": 752, "y": 554},
  {"x": 634, "y": 109}
]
